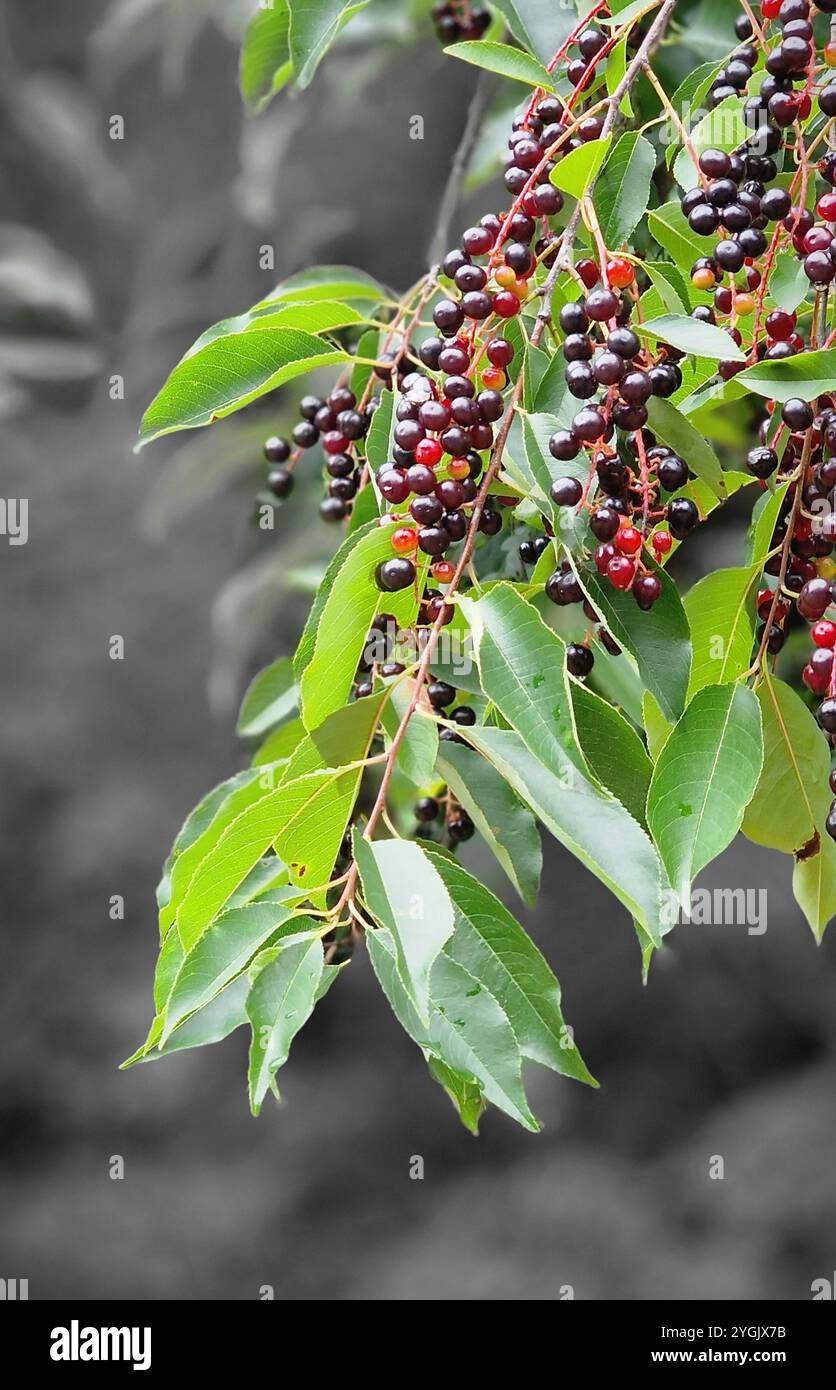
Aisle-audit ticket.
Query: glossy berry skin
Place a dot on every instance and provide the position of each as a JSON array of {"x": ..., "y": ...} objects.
[
  {"x": 566, "y": 492},
  {"x": 276, "y": 450},
  {"x": 797, "y": 415},
  {"x": 662, "y": 542},
  {"x": 628, "y": 540},
  {"x": 460, "y": 828},
  {"x": 404, "y": 540},
  {"x": 393, "y": 485},
  {"x": 621, "y": 572},
  {"x": 762, "y": 462},
  {"x": 604, "y": 523},
  {"x": 500, "y": 352},
  {"x": 280, "y": 482},
  {"x": 395, "y": 574},
  {"x": 823, "y": 633},
  {"x": 814, "y": 599},
  {"x": 426, "y": 809},
  {"x": 826, "y": 715},
  {"x": 683, "y": 517},
  {"x": 440, "y": 694},
  {"x": 780, "y": 325},
  {"x": 646, "y": 590},
  {"x": 579, "y": 660}
]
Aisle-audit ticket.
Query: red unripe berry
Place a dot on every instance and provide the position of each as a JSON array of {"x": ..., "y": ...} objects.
[
  {"x": 817, "y": 681},
  {"x": 823, "y": 633},
  {"x": 506, "y": 304},
  {"x": 826, "y": 207},
  {"x": 628, "y": 540},
  {"x": 404, "y": 540},
  {"x": 458, "y": 468},
  {"x": 428, "y": 451},
  {"x": 770, "y": 8},
  {"x": 603, "y": 555},
  {"x": 335, "y": 443},
  {"x": 830, "y": 54},
  {"x": 661, "y": 542},
  {"x": 620, "y": 273},
  {"x": 621, "y": 572},
  {"x": 442, "y": 571},
  {"x": 493, "y": 378}
]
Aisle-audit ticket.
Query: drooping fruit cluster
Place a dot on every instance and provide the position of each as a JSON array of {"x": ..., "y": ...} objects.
[
  {"x": 459, "y": 19},
  {"x": 338, "y": 425}
]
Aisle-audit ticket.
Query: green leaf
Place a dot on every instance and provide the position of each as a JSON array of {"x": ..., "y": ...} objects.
[
  {"x": 280, "y": 743},
  {"x": 329, "y": 282},
  {"x": 492, "y": 946},
  {"x": 705, "y": 777},
  {"x": 343, "y": 621},
  {"x": 507, "y": 61},
  {"x": 521, "y": 662},
  {"x": 230, "y": 372},
  {"x": 577, "y": 170},
  {"x": 765, "y": 513},
  {"x": 540, "y": 25},
  {"x": 307, "y": 641},
  {"x": 378, "y": 439},
  {"x": 806, "y": 376},
  {"x": 465, "y": 1092},
  {"x": 672, "y": 428},
  {"x": 404, "y": 893},
  {"x": 589, "y": 822},
  {"x": 419, "y": 746},
  {"x": 788, "y": 285},
  {"x": 721, "y": 612},
  {"x": 221, "y": 953},
  {"x": 785, "y": 811},
  {"x": 193, "y": 827},
  {"x": 661, "y": 648},
  {"x": 623, "y": 190},
  {"x": 669, "y": 227},
  {"x": 505, "y": 824},
  {"x": 265, "y": 65},
  {"x": 625, "y": 14},
  {"x": 466, "y": 1030},
  {"x": 656, "y": 726},
  {"x": 280, "y": 1002},
  {"x": 314, "y": 25},
  {"x": 722, "y": 129},
  {"x": 814, "y": 884},
  {"x": 271, "y": 696},
  {"x": 612, "y": 750},
  {"x": 690, "y": 335}
]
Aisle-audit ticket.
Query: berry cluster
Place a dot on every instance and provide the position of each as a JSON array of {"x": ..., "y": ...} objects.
[
  {"x": 338, "y": 425},
  {"x": 458, "y": 19}
]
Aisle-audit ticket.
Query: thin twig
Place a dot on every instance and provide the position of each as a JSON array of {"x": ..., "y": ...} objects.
[{"x": 479, "y": 102}]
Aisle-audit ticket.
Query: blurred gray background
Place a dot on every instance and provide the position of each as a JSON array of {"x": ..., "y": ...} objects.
[{"x": 114, "y": 254}]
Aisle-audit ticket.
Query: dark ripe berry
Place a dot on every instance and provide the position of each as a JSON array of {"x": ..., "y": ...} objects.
[
  {"x": 694, "y": 198},
  {"x": 276, "y": 450},
  {"x": 730, "y": 254},
  {"x": 455, "y": 386},
  {"x": 455, "y": 524},
  {"x": 566, "y": 492},
  {"x": 590, "y": 43},
  {"x": 683, "y": 517},
  {"x": 420, "y": 479},
  {"x": 826, "y": 715},
  {"x": 408, "y": 433},
  {"x": 563, "y": 446},
  {"x": 392, "y": 575},
  {"x": 796, "y": 53},
  {"x": 832, "y": 780},
  {"x": 490, "y": 404},
  {"x": 563, "y": 588},
  {"x": 490, "y": 522},
  {"x": 433, "y": 540},
  {"x": 440, "y": 694},
  {"x": 601, "y": 305},
  {"x": 464, "y": 715},
  {"x": 548, "y": 200},
  {"x": 589, "y": 425},
  {"x": 434, "y": 416},
  {"x": 470, "y": 277},
  {"x": 782, "y": 109},
  {"x": 827, "y": 100},
  {"x": 636, "y": 389},
  {"x": 625, "y": 342},
  {"x": 309, "y": 405},
  {"x": 721, "y": 193},
  {"x": 762, "y": 462},
  {"x": 819, "y": 268},
  {"x": 450, "y": 493},
  {"x": 528, "y": 553},
  {"x": 342, "y": 398},
  {"x": 589, "y": 272},
  {"x": 830, "y": 823},
  {"x": 797, "y": 415},
  {"x": 608, "y": 368},
  {"x": 780, "y": 325},
  {"x": 522, "y": 227},
  {"x": 280, "y": 482},
  {"x": 332, "y": 509},
  {"x": 477, "y": 241},
  {"x": 344, "y": 488},
  {"x": 579, "y": 660},
  {"x": 665, "y": 379},
  {"x": 427, "y": 511},
  {"x": 305, "y": 434},
  {"x": 743, "y": 27},
  {"x": 673, "y": 473},
  {"x": 455, "y": 441},
  {"x": 575, "y": 73},
  {"x": 704, "y": 219},
  {"x": 351, "y": 424},
  {"x": 426, "y": 808},
  {"x": 604, "y": 523},
  {"x": 453, "y": 359},
  {"x": 581, "y": 380},
  {"x": 500, "y": 352},
  {"x": 573, "y": 319},
  {"x": 448, "y": 317},
  {"x": 339, "y": 465},
  {"x": 518, "y": 257},
  {"x": 611, "y": 476},
  {"x": 477, "y": 305},
  {"x": 814, "y": 599},
  {"x": 430, "y": 351},
  {"x": 460, "y": 827},
  {"x": 465, "y": 412},
  {"x": 715, "y": 164},
  {"x": 647, "y": 588},
  {"x": 577, "y": 348},
  {"x": 629, "y": 417},
  {"x": 736, "y": 218},
  {"x": 738, "y": 72}
]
